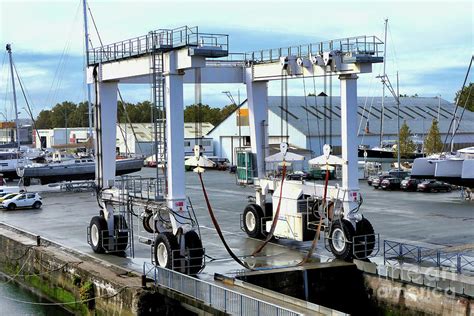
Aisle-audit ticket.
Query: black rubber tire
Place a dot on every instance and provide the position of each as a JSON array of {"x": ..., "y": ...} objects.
[
  {"x": 146, "y": 223},
  {"x": 364, "y": 227},
  {"x": 348, "y": 230},
  {"x": 26, "y": 182},
  {"x": 257, "y": 212},
  {"x": 11, "y": 206},
  {"x": 101, "y": 224},
  {"x": 171, "y": 243},
  {"x": 37, "y": 205},
  {"x": 122, "y": 239},
  {"x": 196, "y": 253}
]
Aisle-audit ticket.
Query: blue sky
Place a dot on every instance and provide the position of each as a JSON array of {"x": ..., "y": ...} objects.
[{"x": 430, "y": 43}]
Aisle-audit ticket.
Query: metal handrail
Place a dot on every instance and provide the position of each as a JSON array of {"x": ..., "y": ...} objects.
[
  {"x": 404, "y": 252},
  {"x": 158, "y": 39},
  {"x": 216, "y": 296},
  {"x": 358, "y": 44}
]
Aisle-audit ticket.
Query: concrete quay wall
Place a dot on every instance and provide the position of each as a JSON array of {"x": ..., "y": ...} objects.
[{"x": 83, "y": 284}]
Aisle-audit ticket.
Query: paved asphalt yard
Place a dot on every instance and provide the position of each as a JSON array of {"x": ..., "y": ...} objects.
[{"x": 440, "y": 219}]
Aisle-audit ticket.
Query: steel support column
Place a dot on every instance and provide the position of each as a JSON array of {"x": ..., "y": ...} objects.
[
  {"x": 257, "y": 96},
  {"x": 105, "y": 129},
  {"x": 176, "y": 197},
  {"x": 350, "y": 181}
]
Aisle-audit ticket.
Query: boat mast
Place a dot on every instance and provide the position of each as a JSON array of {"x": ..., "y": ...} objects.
[
  {"x": 383, "y": 86},
  {"x": 86, "y": 61},
  {"x": 9, "y": 50},
  {"x": 398, "y": 123}
]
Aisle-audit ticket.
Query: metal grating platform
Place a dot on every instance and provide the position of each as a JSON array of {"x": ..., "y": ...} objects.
[{"x": 162, "y": 40}]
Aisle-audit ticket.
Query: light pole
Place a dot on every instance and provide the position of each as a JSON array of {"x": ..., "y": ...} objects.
[
  {"x": 231, "y": 98},
  {"x": 439, "y": 105},
  {"x": 396, "y": 95}
]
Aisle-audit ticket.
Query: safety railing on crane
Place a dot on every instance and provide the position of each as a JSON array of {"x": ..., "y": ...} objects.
[
  {"x": 162, "y": 39},
  {"x": 364, "y": 45},
  {"x": 141, "y": 188}
]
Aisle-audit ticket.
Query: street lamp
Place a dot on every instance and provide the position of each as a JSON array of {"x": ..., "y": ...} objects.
[
  {"x": 231, "y": 98},
  {"x": 439, "y": 105}
]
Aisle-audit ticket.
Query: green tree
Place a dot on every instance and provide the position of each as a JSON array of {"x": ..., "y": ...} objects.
[
  {"x": 465, "y": 97},
  {"x": 43, "y": 121},
  {"x": 407, "y": 146},
  {"x": 227, "y": 110},
  {"x": 64, "y": 113},
  {"x": 203, "y": 113},
  {"x": 433, "y": 143}
]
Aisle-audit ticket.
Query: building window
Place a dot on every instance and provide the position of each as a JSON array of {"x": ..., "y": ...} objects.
[
  {"x": 206, "y": 143},
  {"x": 247, "y": 141},
  {"x": 187, "y": 143}
]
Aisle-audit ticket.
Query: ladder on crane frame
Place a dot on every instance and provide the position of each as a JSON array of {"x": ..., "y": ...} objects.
[{"x": 159, "y": 113}]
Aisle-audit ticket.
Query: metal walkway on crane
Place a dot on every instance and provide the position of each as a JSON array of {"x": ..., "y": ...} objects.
[{"x": 162, "y": 40}]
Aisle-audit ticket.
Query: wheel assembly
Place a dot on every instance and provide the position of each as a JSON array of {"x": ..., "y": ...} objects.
[
  {"x": 195, "y": 252},
  {"x": 252, "y": 218},
  {"x": 148, "y": 222},
  {"x": 98, "y": 234},
  {"x": 364, "y": 243},
  {"x": 166, "y": 250},
  {"x": 121, "y": 227},
  {"x": 340, "y": 239}
]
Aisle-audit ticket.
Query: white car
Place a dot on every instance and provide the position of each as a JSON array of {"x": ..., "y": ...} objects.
[{"x": 23, "y": 200}]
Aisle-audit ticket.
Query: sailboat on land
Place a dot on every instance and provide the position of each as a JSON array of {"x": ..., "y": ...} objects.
[
  {"x": 28, "y": 163},
  {"x": 455, "y": 168}
]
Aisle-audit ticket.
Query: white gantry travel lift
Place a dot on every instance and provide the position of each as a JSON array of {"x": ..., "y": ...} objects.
[{"x": 168, "y": 59}]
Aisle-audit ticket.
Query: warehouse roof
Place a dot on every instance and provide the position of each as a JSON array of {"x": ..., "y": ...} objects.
[
  {"x": 144, "y": 131},
  {"x": 418, "y": 112}
]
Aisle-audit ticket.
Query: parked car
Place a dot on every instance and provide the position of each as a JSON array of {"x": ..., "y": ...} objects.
[
  {"x": 400, "y": 174},
  {"x": 33, "y": 200},
  {"x": 434, "y": 186},
  {"x": 320, "y": 174},
  {"x": 298, "y": 175},
  {"x": 377, "y": 181},
  {"x": 370, "y": 179},
  {"x": 390, "y": 183},
  {"x": 8, "y": 196},
  {"x": 409, "y": 184}
]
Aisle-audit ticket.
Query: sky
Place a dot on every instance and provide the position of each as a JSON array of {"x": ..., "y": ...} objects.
[{"x": 429, "y": 43}]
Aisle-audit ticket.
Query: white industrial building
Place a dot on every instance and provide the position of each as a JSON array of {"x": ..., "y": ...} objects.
[
  {"x": 316, "y": 121},
  {"x": 135, "y": 138}
]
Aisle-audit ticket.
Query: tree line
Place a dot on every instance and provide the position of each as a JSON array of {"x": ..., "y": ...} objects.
[
  {"x": 431, "y": 144},
  {"x": 70, "y": 114}
]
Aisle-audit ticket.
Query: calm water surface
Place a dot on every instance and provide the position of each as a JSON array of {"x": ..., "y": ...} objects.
[{"x": 8, "y": 307}]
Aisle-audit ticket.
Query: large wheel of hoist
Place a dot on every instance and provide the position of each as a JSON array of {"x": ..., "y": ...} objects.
[
  {"x": 99, "y": 234},
  {"x": 120, "y": 225},
  {"x": 149, "y": 222},
  {"x": 364, "y": 246},
  {"x": 340, "y": 239},
  {"x": 165, "y": 248},
  {"x": 252, "y": 219},
  {"x": 196, "y": 252}
]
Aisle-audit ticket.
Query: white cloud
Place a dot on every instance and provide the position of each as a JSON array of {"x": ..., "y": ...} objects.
[{"x": 424, "y": 37}]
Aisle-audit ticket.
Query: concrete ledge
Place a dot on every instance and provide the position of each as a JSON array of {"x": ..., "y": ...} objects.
[{"x": 94, "y": 286}]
